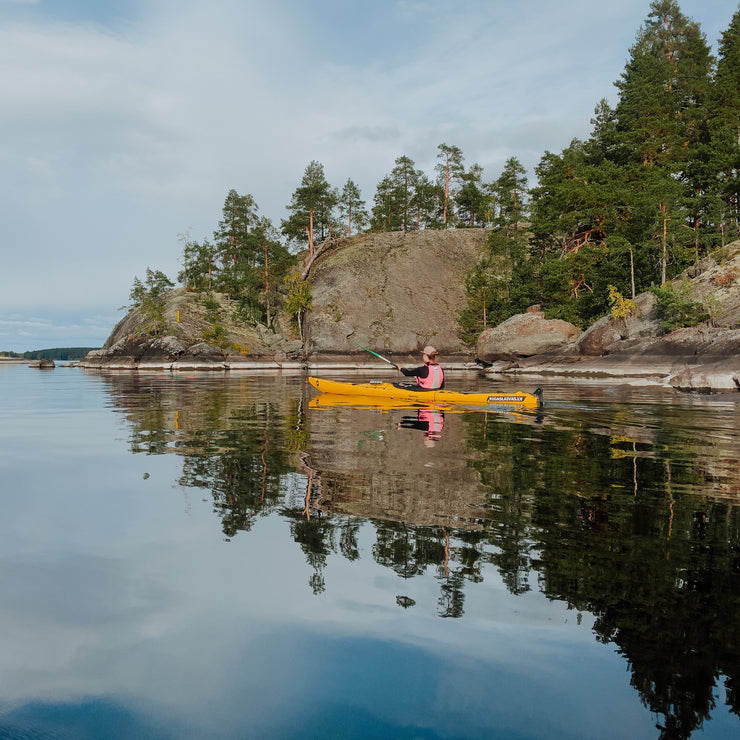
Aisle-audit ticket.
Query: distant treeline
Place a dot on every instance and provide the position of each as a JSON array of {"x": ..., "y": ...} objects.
[{"x": 57, "y": 353}]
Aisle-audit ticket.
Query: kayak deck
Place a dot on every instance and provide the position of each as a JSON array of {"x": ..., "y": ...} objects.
[{"x": 410, "y": 394}]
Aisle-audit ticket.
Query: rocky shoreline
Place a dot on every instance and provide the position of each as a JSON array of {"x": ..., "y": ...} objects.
[
  {"x": 365, "y": 293},
  {"x": 682, "y": 375},
  {"x": 697, "y": 359}
]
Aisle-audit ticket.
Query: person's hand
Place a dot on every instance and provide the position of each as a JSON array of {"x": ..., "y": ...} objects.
[{"x": 397, "y": 367}]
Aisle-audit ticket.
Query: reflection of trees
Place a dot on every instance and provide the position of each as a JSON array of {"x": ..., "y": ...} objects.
[
  {"x": 660, "y": 571},
  {"x": 233, "y": 442},
  {"x": 315, "y": 535},
  {"x": 669, "y": 603},
  {"x": 407, "y": 550},
  {"x": 348, "y": 533},
  {"x": 243, "y": 466}
]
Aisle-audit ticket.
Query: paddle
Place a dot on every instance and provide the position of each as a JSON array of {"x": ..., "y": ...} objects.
[{"x": 380, "y": 357}]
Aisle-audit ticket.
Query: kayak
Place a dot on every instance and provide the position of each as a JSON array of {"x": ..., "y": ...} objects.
[{"x": 376, "y": 389}]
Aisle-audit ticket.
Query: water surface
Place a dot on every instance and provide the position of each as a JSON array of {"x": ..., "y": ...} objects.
[{"x": 207, "y": 555}]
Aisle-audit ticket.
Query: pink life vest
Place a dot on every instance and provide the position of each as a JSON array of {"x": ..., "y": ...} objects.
[{"x": 434, "y": 378}]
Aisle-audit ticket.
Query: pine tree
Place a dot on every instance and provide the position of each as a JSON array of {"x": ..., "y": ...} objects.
[
  {"x": 449, "y": 170},
  {"x": 724, "y": 126},
  {"x": 232, "y": 238},
  {"x": 509, "y": 192},
  {"x": 312, "y": 208},
  {"x": 404, "y": 199},
  {"x": 662, "y": 96},
  {"x": 386, "y": 209},
  {"x": 352, "y": 208},
  {"x": 472, "y": 201},
  {"x": 426, "y": 202},
  {"x": 403, "y": 177},
  {"x": 199, "y": 262}
]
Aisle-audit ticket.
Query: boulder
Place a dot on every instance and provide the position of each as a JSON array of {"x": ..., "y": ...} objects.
[
  {"x": 609, "y": 334},
  {"x": 169, "y": 346},
  {"x": 525, "y": 335}
]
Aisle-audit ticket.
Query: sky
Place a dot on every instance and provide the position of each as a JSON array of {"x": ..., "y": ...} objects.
[{"x": 125, "y": 123}]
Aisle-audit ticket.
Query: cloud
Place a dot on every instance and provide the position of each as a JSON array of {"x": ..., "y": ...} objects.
[{"x": 122, "y": 130}]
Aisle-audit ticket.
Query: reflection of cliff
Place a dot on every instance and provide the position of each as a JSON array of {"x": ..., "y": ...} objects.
[
  {"x": 168, "y": 411},
  {"x": 364, "y": 466}
]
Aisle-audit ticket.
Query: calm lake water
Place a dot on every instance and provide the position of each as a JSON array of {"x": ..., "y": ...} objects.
[{"x": 211, "y": 556}]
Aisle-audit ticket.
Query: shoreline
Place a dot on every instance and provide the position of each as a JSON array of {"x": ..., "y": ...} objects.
[{"x": 689, "y": 377}]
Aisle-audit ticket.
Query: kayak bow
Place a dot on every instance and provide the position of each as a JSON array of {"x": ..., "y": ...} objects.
[{"x": 380, "y": 389}]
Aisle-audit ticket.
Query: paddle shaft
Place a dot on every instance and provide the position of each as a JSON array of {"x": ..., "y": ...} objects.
[{"x": 380, "y": 357}]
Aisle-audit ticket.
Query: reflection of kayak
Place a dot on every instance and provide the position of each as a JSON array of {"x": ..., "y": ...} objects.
[
  {"x": 379, "y": 403},
  {"x": 379, "y": 390},
  {"x": 518, "y": 413}
]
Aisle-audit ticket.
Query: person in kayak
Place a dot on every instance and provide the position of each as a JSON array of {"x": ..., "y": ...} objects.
[{"x": 430, "y": 375}]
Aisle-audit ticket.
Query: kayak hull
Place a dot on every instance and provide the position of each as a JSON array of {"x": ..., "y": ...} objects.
[{"x": 390, "y": 391}]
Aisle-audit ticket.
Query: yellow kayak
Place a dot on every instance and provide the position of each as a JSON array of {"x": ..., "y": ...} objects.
[{"x": 376, "y": 389}]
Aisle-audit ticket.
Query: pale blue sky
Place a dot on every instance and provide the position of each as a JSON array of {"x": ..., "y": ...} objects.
[{"x": 125, "y": 123}]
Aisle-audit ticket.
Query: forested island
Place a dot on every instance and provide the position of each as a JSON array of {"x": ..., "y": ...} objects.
[
  {"x": 648, "y": 202},
  {"x": 53, "y": 353}
]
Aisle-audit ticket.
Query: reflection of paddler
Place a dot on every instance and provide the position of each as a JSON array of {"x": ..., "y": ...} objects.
[{"x": 430, "y": 421}]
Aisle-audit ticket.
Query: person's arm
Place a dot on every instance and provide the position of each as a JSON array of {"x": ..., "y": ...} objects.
[{"x": 416, "y": 372}]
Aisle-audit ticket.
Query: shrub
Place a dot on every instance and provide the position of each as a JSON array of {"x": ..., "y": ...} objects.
[
  {"x": 676, "y": 307},
  {"x": 620, "y": 306}
]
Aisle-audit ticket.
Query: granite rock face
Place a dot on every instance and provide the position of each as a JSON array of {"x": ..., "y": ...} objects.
[
  {"x": 525, "y": 335},
  {"x": 394, "y": 293}
]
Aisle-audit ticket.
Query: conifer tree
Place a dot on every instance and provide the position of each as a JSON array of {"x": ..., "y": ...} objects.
[
  {"x": 252, "y": 260},
  {"x": 449, "y": 170},
  {"x": 232, "y": 238},
  {"x": 724, "y": 127},
  {"x": 426, "y": 202},
  {"x": 352, "y": 208},
  {"x": 472, "y": 201},
  {"x": 662, "y": 97},
  {"x": 312, "y": 208},
  {"x": 403, "y": 177},
  {"x": 509, "y": 192},
  {"x": 199, "y": 262},
  {"x": 386, "y": 209}
]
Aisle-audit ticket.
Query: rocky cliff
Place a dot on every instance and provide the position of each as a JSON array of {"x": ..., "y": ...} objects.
[
  {"x": 391, "y": 292},
  {"x": 394, "y": 293},
  {"x": 191, "y": 339}
]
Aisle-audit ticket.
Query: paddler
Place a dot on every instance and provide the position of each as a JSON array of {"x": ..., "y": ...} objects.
[{"x": 430, "y": 375}]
